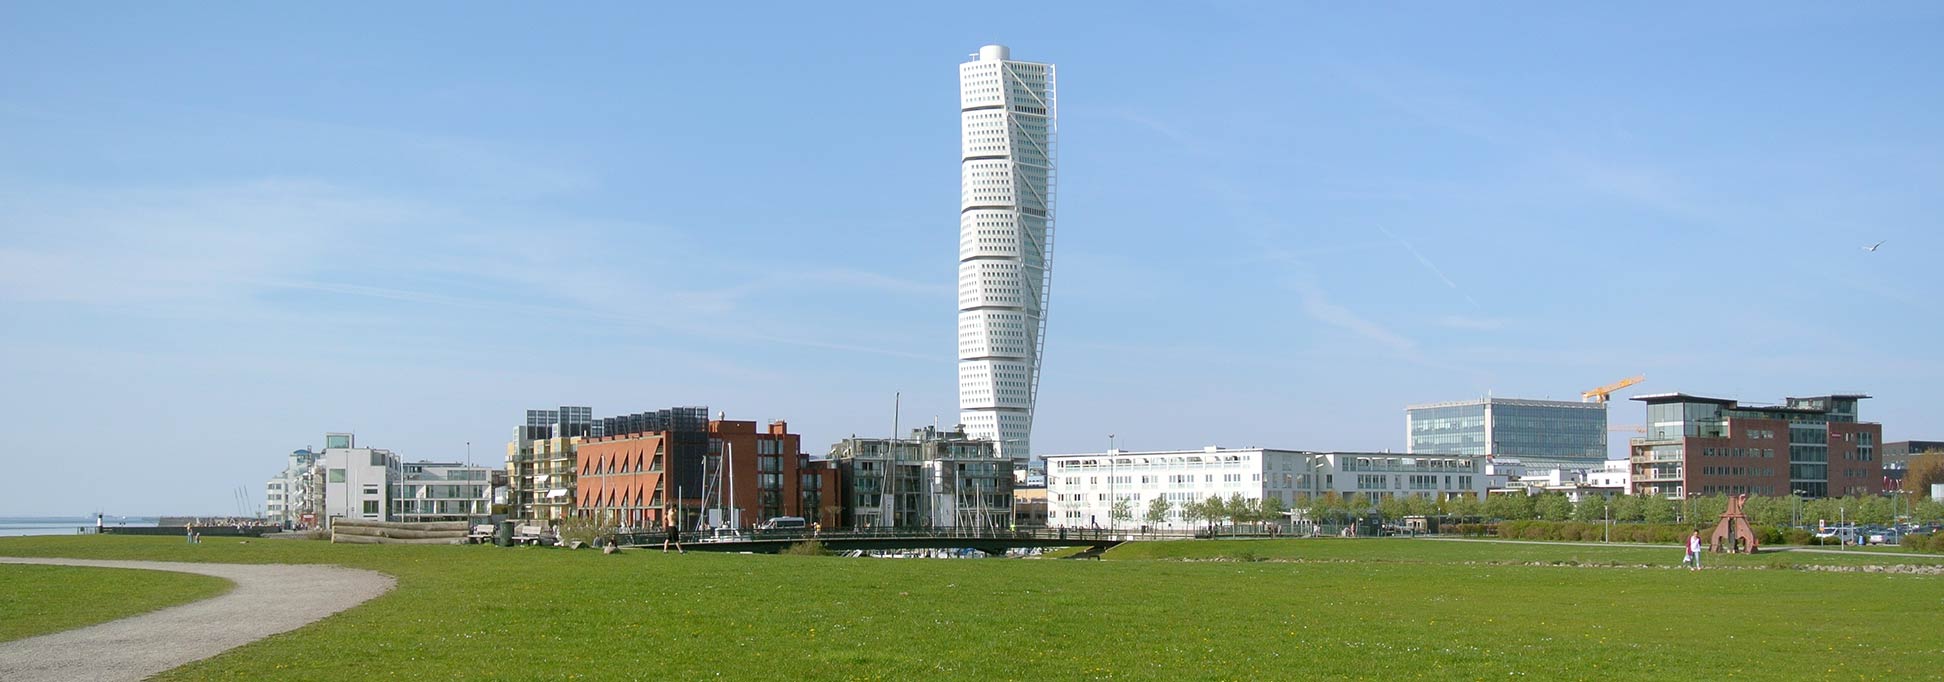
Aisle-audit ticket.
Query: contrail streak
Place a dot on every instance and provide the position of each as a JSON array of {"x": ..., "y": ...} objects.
[{"x": 1430, "y": 266}]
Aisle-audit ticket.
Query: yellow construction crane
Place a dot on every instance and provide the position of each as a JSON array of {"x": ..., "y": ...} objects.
[{"x": 1599, "y": 395}]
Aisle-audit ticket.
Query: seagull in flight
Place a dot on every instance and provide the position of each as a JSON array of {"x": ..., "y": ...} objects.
[{"x": 1873, "y": 247}]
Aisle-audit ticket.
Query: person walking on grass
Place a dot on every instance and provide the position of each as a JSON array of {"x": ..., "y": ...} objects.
[
  {"x": 673, "y": 537},
  {"x": 1694, "y": 551}
]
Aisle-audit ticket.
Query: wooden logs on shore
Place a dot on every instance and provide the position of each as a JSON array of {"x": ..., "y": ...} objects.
[{"x": 356, "y": 531}]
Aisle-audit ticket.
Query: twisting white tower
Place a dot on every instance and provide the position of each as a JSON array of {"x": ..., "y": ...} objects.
[{"x": 1006, "y": 177}]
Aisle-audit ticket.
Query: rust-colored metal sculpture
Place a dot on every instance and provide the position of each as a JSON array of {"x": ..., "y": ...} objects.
[{"x": 1733, "y": 534}]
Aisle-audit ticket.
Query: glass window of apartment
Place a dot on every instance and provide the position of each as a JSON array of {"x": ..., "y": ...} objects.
[
  {"x": 371, "y": 507},
  {"x": 337, "y": 475}
]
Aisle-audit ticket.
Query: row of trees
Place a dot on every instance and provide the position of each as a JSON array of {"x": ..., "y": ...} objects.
[
  {"x": 1334, "y": 508},
  {"x": 1771, "y": 511},
  {"x": 1212, "y": 511}
]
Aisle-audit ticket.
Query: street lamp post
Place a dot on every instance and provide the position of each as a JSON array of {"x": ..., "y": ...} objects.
[
  {"x": 1113, "y": 497},
  {"x": 1606, "y": 509},
  {"x": 1797, "y": 516}
]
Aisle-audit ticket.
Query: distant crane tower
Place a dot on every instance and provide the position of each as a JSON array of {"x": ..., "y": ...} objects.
[{"x": 1599, "y": 395}]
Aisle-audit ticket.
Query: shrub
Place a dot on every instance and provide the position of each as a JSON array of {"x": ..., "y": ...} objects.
[
  {"x": 1577, "y": 531},
  {"x": 805, "y": 548},
  {"x": 583, "y": 530},
  {"x": 1915, "y": 540}
]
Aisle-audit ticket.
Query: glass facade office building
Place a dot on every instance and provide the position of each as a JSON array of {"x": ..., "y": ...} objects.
[{"x": 1542, "y": 434}]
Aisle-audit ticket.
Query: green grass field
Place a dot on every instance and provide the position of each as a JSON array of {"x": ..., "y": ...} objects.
[
  {"x": 36, "y": 600},
  {"x": 1406, "y": 609}
]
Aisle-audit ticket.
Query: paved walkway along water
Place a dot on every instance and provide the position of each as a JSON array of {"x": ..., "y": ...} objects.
[{"x": 268, "y": 599}]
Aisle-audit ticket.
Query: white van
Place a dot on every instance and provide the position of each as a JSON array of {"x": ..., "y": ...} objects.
[{"x": 786, "y": 523}]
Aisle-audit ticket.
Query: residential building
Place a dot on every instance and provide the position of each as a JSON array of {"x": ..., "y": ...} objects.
[
  {"x": 442, "y": 491},
  {"x": 1008, "y": 131},
  {"x": 1616, "y": 474},
  {"x": 647, "y": 467},
  {"x": 295, "y": 498},
  {"x": 1082, "y": 488},
  {"x": 347, "y": 481},
  {"x": 358, "y": 481},
  {"x": 932, "y": 479},
  {"x": 1897, "y": 454},
  {"x": 682, "y": 466},
  {"x": 540, "y": 462},
  {"x": 1543, "y": 434},
  {"x": 1577, "y": 484},
  {"x": 1029, "y": 506},
  {"x": 1813, "y": 447}
]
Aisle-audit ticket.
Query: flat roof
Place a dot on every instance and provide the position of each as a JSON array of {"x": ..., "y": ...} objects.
[
  {"x": 1680, "y": 398},
  {"x": 1230, "y": 451},
  {"x": 1522, "y": 402}
]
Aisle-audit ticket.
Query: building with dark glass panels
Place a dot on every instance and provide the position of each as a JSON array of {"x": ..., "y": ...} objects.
[
  {"x": 1897, "y": 454},
  {"x": 1542, "y": 434},
  {"x": 1813, "y": 447}
]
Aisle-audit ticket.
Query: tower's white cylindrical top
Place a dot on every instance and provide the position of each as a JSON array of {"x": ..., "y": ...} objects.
[{"x": 994, "y": 53}]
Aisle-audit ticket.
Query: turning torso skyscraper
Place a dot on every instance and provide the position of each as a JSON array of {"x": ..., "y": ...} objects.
[{"x": 1006, "y": 179}]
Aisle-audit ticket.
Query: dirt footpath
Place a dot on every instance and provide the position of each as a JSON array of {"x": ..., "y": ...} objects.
[{"x": 268, "y": 599}]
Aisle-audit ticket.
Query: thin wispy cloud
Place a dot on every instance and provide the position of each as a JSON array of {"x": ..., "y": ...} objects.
[
  {"x": 1428, "y": 265},
  {"x": 1483, "y": 324},
  {"x": 1320, "y": 308}
]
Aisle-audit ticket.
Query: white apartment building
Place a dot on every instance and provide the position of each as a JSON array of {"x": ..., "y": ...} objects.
[
  {"x": 1008, "y": 132},
  {"x": 295, "y": 497},
  {"x": 442, "y": 491},
  {"x": 347, "y": 481},
  {"x": 1081, "y": 489},
  {"x": 1613, "y": 473},
  {"x": 358, "y": 481}
]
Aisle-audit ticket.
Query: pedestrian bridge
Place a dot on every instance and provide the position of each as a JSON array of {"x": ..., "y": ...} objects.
[{"x": 990, "y": 541}]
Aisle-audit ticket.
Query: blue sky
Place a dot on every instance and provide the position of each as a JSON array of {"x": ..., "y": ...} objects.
[{"x": 226, "y": 229}]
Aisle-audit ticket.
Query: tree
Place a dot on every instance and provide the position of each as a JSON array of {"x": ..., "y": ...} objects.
[
  {"x": 1764, "y": 510},
  {"x": 1323, "y": 508},
  {"x": 1706, "y": 509},
  {"x": 1927, "y": 510},
  {"x": 1590, "y": 508},
  {"x": 1122, "y": 510},
  {"x": 1272, "y": 509},
  {"x": 1356, "y": 504},
  {"x": 1215, "y": 510},
  {"x": 1873, "y": 510},
  {"x": 1157, "y": 510},
  {"x": 1464, "y": 506},
  {"x": 1553, "y": 507},
  {"x": 1239, "y": 509},
  {"x": 1419, "y": 505},
  {"x": 1629, "y": 508},
  {"x": 1192, "y": 512},
  {"x": 1512, "y": 506},
  {"x": 1922, "y": 471},
  {"x": 1657, "y": 509},
  {"x": 1391, "y": 508}
]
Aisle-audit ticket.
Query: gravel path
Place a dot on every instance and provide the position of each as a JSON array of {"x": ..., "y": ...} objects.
[{"x": 268, "y": 599}]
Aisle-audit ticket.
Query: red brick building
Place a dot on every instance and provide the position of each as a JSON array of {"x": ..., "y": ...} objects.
[
  {"x": 703, "y": 477},
  {"x": 1814, "y": 447}
]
